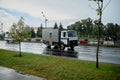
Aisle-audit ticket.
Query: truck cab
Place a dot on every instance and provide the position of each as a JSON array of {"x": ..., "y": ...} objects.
[{"x": 69, "y": 38}]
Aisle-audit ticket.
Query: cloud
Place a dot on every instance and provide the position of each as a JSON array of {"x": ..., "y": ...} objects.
[
  {"x": 6, "y": 19},
  {"x": 53, "y": 10},
  {"x": 66, "y": 11},
  {"x": 34, "y": 8}
]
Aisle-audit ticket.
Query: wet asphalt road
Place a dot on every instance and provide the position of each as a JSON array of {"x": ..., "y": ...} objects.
[
  {"x": 106, "y": 54},
  {"x": 10, "y": 74}
]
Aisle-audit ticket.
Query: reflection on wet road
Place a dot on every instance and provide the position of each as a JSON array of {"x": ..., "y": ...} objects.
[
  {"x": 37, "y": 48},
  {"x": 106, "y": 54}
]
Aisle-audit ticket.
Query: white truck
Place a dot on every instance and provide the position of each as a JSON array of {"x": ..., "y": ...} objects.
[{"x": 59, "y": 38}]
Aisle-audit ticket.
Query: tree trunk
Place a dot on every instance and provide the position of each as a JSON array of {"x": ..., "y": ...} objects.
[
  {"x": 97, "y": 61},
  {"x": 20, "y": 49},
  {"x": 99, "y": 25}
]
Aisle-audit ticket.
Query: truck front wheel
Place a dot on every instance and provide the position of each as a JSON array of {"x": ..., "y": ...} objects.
[{"x": 48, "y": 45}]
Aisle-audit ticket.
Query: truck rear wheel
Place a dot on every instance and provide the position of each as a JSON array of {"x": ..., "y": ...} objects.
[
  {"x": 48, "y": 45},
  {"x": 72, "y": 48},
  {"x": 62, "y": 46},
  {"x": 8, "y": 41},
  {"x": 56, "y": 46}
]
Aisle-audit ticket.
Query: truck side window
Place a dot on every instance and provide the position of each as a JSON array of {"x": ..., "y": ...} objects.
[{"x": 64, "y": 34}]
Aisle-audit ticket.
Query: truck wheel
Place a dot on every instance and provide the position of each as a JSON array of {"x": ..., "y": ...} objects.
[
  {"x": 56, "y": 46},
  {"x": 48, "y": 46},
  {"x": 72, "y": 48},
  {"x": 62, "y": 46},
  {"x": 7, "y": 41}
]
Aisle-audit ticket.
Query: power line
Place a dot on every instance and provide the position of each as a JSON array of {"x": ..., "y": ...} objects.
[{"x": 106, "y": 5}]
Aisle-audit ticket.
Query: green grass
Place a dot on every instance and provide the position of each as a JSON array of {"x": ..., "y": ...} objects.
[{"x": 58, "y": 68}]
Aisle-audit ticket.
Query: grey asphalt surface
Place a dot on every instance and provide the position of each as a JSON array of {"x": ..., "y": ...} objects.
[{"x": 10, "y": 74}]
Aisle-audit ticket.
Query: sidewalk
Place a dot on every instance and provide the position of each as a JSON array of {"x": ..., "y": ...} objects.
[{"x": 10, "y": 74}]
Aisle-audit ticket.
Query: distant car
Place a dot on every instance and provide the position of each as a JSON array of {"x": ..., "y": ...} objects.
[{"x": 8, "y": 38}]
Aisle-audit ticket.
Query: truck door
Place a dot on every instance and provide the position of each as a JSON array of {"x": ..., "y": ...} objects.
[{"x": 64, "y": 37}]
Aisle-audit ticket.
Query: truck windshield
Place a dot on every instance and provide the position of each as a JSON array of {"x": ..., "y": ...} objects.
[{"x": 72, "y": 33}]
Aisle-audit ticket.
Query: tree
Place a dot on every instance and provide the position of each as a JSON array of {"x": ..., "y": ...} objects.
[
  {"x": 83, "y": 27},
  {"x": 76, "y": 26},
  {"x": 39, "y": 31},
  {"x": 27, "y": 30},
  {"x": 18, "y": 33},
  {"x": 33, "y": 35},
  {"x": 60, "y": 26},
  {"x": 96, "y": 29},
  {"x": 99, "y": 11},
  {"x": 55, "y": 26},
  {"x": 111, "y": 29},
  {"x": 87, "y": 26},
  {"x": 117, "y": 30}
]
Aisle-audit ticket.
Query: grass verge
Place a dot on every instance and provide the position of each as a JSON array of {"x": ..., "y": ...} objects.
[{"x": 58, "y": 68}]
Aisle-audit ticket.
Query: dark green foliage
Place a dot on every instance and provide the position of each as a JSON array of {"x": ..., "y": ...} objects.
[
  {"x": 113, "y": 29},
  {"x": 39, "y": 31},
  {"x": 55, "y": 26},
  {"x": 88, "y": 27},
  {"x": 27, "y": 31},
  {"x": 60, "y": 26},
  {"x": 33, "y": 35},
  {"x": 83, "y": 27}
]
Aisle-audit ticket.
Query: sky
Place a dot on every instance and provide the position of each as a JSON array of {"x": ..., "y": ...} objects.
[{"x": 60, "y": 11}]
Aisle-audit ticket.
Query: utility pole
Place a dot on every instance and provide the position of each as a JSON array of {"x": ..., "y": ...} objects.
[
  {"x": 45, "y": 19},
  {"x": 1, "y": 29}
]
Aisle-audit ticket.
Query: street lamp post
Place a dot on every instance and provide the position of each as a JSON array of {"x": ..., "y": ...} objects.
[
  {"x": 1, "y": 28},
  {"x": 1, "y": 31},
  {"x": 45, "y": 19}
]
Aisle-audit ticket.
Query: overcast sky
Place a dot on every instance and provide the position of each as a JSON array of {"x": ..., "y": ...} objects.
[{"x": 64, "y": 11}]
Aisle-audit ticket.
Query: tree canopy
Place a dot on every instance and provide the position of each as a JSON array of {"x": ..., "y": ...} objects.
[
  {"x": 18, "y": 31},
  {"x": 39, "y": 31},
  {"x": 88, "y": 27}
]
